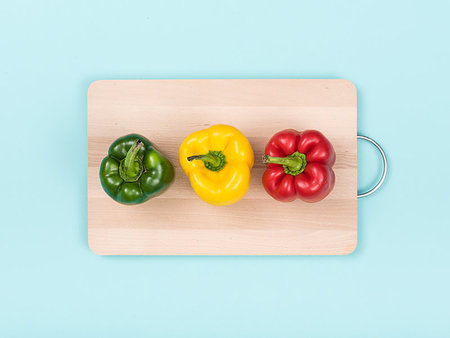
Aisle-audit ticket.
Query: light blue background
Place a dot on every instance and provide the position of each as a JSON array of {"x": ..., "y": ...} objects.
[{"x": 396, "y": 283}]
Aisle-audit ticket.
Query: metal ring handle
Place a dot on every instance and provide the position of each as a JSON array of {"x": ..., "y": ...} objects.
[{"x": 385, "y": 167}]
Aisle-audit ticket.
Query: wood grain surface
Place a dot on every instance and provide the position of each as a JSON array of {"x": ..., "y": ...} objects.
[{"x": 178, "y": 222}]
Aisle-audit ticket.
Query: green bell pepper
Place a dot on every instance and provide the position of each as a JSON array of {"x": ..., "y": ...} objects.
[{"x": 134, "y": 170}]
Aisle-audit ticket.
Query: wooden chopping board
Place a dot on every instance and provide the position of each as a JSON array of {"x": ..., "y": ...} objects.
[{"x": 178, "y": 222}]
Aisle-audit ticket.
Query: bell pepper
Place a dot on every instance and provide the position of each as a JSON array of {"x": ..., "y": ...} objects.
[
  {"x": 299, "y": 165},
  {"x": 217, "y": 161},
  {"x": 134, "y": 170}
]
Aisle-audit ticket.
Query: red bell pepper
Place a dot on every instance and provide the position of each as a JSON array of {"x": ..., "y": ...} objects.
[{"x": 299, "y": 165}]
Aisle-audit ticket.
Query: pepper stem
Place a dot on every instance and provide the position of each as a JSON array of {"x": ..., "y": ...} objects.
[
  {"x": 130, "y": 168},
  {"x": 214, "y": 160},
  {"x": 293, "y": 164}
]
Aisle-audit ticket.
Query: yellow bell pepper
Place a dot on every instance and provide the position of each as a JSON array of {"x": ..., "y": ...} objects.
[{"x": 217, "y": 161}]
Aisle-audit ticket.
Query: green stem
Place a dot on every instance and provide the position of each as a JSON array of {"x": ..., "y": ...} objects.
[
  {"x": 293, "y": 164},
  {"x": 207, "y": 158},
  {"x": 214, "y": 160},
  {"x": 129, "y": 163}
]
